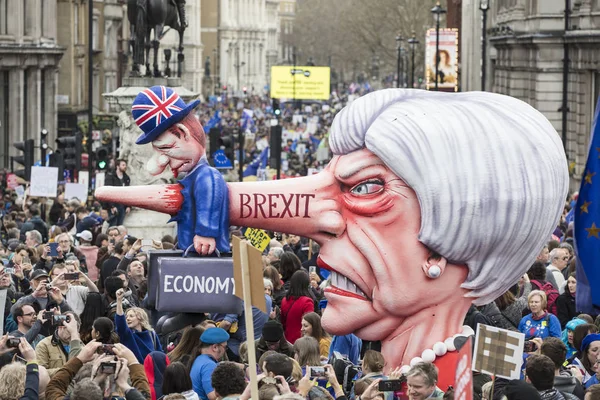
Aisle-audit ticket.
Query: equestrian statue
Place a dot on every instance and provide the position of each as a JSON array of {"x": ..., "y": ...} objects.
[{"x": 146, "y": 16}]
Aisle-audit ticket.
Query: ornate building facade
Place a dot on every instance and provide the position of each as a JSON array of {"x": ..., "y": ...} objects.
[{"x": 29, "y": 58}]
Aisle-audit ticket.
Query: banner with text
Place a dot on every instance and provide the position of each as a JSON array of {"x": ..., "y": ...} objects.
[
  {"x": 197, "y": 285},
  {"x": 304, "y": 83},
  {"x": 447, "y": 62}
]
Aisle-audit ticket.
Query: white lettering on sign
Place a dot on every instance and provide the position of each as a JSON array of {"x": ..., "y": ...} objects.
[{"x": 197, "y": 284}]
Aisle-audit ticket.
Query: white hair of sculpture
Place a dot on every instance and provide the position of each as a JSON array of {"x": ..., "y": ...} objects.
[{"x": 489, "y": 171}]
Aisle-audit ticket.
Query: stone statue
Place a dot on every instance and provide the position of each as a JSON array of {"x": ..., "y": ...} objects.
[
  {"x": 146, "y": 16},
  {"x": 136, "y": 155}
]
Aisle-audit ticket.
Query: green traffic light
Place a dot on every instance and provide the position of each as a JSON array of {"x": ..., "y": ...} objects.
[{"x": 102, "y": 164}]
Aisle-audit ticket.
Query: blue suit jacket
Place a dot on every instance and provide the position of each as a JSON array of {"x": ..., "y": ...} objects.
[{"x": 205, "y": 208}]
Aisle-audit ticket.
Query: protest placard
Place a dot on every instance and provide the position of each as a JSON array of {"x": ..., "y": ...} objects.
[
  {"x": 76, "y": 191},
  {"x": 258, "y": 238},
  {"x": 498, "y": 352},
  {"x": 44, "y": 181}
]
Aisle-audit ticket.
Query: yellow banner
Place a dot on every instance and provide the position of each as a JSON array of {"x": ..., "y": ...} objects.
[
  {"x": 258, "y": 238},
  {"x": 304, "y": 83}
]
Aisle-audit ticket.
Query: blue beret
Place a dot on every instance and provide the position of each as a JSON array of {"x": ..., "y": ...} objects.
[
  {"x": 592, "y": 337},
  {"x": 214, "y": 336}
]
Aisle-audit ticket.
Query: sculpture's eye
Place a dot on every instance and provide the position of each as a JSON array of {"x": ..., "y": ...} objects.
[{"x": 368, "y": 187}]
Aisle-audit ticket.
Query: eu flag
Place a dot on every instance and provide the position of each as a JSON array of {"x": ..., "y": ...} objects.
[{"x": 587, "y": 227}]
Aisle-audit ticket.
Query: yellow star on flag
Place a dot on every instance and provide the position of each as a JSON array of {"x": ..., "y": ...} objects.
[
  {"x": 593, "y": 231},
  {"x": 584, "y": 207},
  {"x": 588, "y": 177}
]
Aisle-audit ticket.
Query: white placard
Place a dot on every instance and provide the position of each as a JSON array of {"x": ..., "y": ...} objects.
[
  {"x": 100, "y": 178},
  {"x": 44, "y": 181},
  {"x": 489, "y": 360},
  {"x": 297, "y": 119},
  {"x": 83, "y": 178},
  {"x": 76, "y": 190},
  {"x": 20, "y": 191}
]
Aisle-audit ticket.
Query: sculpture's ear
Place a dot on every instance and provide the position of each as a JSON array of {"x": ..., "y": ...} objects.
[{"x": 434, "y": 260}]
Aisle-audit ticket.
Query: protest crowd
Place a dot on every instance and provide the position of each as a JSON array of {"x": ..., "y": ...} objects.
[{"x": 77, "y": 324}]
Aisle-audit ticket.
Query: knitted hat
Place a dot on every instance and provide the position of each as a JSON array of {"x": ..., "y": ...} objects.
[
  {"x": 592, "y": 337},
  {"x": 272, "y": 331},
  {"x": 214, "y": 336}
]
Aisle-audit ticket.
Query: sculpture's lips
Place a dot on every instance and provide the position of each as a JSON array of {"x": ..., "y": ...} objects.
[{"x": 340, "y": 284}]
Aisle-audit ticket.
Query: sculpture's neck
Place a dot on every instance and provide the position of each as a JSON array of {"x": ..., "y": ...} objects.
[{"x": 422, "y": 330}]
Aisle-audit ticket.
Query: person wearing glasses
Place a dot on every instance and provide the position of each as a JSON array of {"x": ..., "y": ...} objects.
[
  {"x": 559, "y": 260},
  {"x": 213, "y": 346},
  {"x": 29, "y": 324}
]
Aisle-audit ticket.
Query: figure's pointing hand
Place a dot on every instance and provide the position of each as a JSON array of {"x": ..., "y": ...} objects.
[{"x": 204, "y": 245}]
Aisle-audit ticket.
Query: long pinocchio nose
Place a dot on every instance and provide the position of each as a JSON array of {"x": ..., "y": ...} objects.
[{"x": 307, "y": 206}]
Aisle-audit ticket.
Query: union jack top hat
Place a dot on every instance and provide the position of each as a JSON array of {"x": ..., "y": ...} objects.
[{"x": 156, "y": 109}]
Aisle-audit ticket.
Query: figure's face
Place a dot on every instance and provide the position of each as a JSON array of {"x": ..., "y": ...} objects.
[
  {"x": 417, "y": 388},
  {"x": 543, "y": 256},
  {"x": 177, "y": 149},
  {"x": 570, "y": 337},
  {"x": 133, "y": 322},
  {"x": 64, "y": 243},
  {"x": 572, "y": 283},
  {"x": 306, "y": 328},
  {"x": 113, "y": 234},
  {"x": 5, "y": 281},
  {"x": 377, "y": 251},
  {"x": 29, "y": 241},
  {"x": 562, "y": 259},
  {"x": 136, "y": 269}
]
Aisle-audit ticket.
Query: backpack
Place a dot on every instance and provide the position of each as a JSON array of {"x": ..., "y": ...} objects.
[
  {"x": 345, "y": 371},
  {"x": 551, "y": 295}
]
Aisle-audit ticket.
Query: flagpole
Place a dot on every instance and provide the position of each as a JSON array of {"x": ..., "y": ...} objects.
[{"x": 241, "y": 154}]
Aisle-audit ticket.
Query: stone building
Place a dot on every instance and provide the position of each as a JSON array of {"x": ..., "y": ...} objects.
[
  {"x": 242, "y": 45},
  {"x": 525, "y": 61},
  {"x": 29, "y": 57},
  {"x": 109, "y": 63},
  {"x": 287, "y": 14}
]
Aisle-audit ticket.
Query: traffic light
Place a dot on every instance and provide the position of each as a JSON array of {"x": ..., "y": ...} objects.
[
  {"x": 43, "y": 145},
  {"x": 226, "y": 142},
  {"x": 214, "y": 135},
  {"x": 245, "y": 90},
  {"x": 102, "y": 158},
  {"x": 275, "y": 144},
  {"x": 70, "y": 147},
  {"x": 26, "y": 159},
  {"x": 276, "y": 107},
  {"x": 56, "y": 160}
]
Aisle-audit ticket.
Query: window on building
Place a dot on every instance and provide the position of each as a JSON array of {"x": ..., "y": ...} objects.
[
  {"x": 79, "y": 87},
  {"x": 96, "y": 89},
  {"x": 76, "y": 22},
  {"x": 95, "y": 34},
  {"x": 3, "y": 17}
]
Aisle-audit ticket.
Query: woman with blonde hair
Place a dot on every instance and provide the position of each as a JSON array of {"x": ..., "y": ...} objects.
[
  {"x": 539, "y": 323},
  {"x": 134, "y": 330}
]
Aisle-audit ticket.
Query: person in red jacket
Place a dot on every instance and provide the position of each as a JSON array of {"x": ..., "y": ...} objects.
[{"x": 297, "y": 302}]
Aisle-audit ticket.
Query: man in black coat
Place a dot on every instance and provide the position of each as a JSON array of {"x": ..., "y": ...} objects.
[{"x": 118, "y": 178}]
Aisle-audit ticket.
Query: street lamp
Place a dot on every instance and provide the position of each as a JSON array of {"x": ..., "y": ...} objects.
[
  {"x": 484, "y": 6},
  {"x": 413, "y": 42},
  {"x": 437, "y": 11},
  {"x": 399, "y": 65}
]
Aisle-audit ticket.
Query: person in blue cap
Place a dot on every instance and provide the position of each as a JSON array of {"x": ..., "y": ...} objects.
[
  {"x": 179, "y": 142},
  {"x": 213, "y": 346}
]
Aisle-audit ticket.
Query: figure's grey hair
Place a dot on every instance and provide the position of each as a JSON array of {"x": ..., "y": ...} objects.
[
  {"x": 556, "y": 253},
  {"x": 268, "y": 283},
  {"x": 489, "y": 171},
  {"x": 278, "y": 251}
]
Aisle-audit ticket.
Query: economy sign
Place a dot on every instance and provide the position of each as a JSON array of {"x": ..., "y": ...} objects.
[
  {"x": 304, "y": 83},
  {"x": 197, "y": 285}
]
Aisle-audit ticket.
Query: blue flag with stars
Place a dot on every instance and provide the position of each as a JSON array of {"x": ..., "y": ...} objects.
[
  {"x": 221, "y": 160},
  {"x": 587, "y": 227}
]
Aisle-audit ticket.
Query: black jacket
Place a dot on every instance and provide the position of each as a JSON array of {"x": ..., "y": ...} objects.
[
  {"x": 35, "y": 223},
  {"x": 565, "y": 308}
]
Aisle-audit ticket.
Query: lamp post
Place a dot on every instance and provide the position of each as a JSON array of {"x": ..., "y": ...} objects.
[
  {"x": 238, "y": 65},
  {"x": 484, "y": 6},
  {"x": 437, "y": 11},
  {"x": 413, "y": 42},
  {"x": 399, "y": 66}
]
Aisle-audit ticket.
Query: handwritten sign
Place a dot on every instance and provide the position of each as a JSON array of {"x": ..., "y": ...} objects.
[
  {"x": 258, "y": 238},
  {"x": 44, "y": 181},
  {"x": 76, "y": 191},
  {"x": 498, "y": 352}
]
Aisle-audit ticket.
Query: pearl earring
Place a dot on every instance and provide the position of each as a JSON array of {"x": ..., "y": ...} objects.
[{"x": 434, "y": 272}]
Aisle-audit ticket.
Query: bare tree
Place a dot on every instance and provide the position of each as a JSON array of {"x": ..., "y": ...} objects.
[{"x": 356, "y": 34}]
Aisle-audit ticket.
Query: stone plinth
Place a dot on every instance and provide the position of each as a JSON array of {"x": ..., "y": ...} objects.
[{"x": 148, "y": 224}]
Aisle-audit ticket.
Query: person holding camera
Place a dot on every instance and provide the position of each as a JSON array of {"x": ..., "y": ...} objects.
[
  {"x": 75, "y": 295},
  {"x": 29, "y": 387},
  {"x": 111, "y": 364},
  {"x": 28, "y": 326},
  {"x": 54, "y": 351},
  {"x": 134, "y": 329}
]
